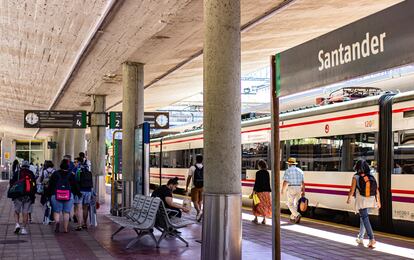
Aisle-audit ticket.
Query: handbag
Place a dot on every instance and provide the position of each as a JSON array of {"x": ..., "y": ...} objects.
[
  {"x": 256, "y": 199},
  {"x": 63, "y": 195}
]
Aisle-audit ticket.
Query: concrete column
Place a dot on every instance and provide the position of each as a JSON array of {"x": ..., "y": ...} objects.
[
  {"x": 60, "y": 147},
  {"x": 48, "y": 152},
  {"x": 222, "y": 139},
  {"x": 88, "y": 144},
  {"x": 69, "y": 142},
  {"x": 132, "y": 116},
  {"x": 79, "y": 141},
  {"x": 97, "y": 152},
  {"x": 54, "y": 157}
]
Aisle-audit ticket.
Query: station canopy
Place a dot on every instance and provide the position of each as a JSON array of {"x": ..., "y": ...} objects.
[{"x": 56, "y": 53}]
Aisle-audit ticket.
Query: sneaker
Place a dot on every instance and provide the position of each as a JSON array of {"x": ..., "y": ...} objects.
[
  {"x": 23, "y": 231},
  {"x": 372, "y": 243},
  {"x": 264, "y": 222},
  {"x": 255, "y": 221},
  {"x": 360, "y": 241},
  {"x": 17, "y": 229}
]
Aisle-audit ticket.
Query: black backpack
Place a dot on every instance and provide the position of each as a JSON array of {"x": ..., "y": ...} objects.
[
  {"x": 367, "y": 185},
  {"x": 198, "y": 177},
  {"x": 86, "y": 181},
  {"x": 63, "y": 189}
]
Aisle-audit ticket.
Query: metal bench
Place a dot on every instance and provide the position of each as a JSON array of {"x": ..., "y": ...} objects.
[
  {"x": 169, "y": 226},
  {"x": 141, "y": 218},
  {"x": 126, "y": 213}
]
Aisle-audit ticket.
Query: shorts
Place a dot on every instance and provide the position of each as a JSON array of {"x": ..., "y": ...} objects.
[
  {"x": 85, "y": 199},
  {"x": 22, "y": 204},
  {"x": 60, "y": 205},
  {"x": 197, "y": 194}
]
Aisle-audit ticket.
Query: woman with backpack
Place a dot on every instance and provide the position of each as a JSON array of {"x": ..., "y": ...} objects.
[
  {"x": 262, "y": 190},
  {"x": 62, "y": 189},
  {"x": 365, "y": 190}
]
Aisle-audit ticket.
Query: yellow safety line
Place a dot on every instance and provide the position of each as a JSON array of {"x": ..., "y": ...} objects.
[{"x": 335, "y": 225}]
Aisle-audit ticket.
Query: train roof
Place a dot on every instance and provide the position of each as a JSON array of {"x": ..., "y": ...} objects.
[{"x": 306, "y": 112}]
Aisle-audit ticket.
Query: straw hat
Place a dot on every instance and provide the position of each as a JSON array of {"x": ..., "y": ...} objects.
[{"x": 291, "y": 160}]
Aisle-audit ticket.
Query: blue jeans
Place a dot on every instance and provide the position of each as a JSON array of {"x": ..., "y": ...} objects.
[{"x": 365, "y": 225}]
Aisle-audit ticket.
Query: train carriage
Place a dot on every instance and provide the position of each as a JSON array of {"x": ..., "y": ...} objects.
[{"x": 326, "y": 141}]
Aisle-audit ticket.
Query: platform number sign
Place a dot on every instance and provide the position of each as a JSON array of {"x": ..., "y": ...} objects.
[
  {"x": 54, "y": 119},
  {"x": 157, "y": 120},
  {"x": 115, "y": 120}
]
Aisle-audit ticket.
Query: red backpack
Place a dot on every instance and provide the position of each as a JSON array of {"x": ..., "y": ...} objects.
[{"x": 25, "y": 185}]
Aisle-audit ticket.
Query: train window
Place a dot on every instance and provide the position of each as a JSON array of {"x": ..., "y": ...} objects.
[
  {"x": 404, "y": 152},
  {"x": 176, "y": 159},
  {"x": 154, "y": 160},
  {"x": 252, "y": 153},
  {"x": 334, "y": 153}
]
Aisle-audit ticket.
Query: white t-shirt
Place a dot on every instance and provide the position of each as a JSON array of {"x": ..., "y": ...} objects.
[{"x": 191, "y": 172}]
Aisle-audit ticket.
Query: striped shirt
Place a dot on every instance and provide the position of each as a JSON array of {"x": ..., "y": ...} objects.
[{"x": 293, "y": 175}]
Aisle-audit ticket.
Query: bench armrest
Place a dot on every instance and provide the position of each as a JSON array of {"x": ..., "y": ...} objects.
[{"x": 173, "y": 211}]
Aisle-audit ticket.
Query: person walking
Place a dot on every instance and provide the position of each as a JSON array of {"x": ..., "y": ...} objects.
[
  {"x": 15, "y": 167},
  {"x": 85, "y": 161},
  {"x": 83, "y": 177},
  {"x": 165, "y": 193},
  {"x": 23, "y": 197},
  {"x": 196, "y": 173},
  {"x": 293, "y": 183},
  {"x": 365, "y": 190},
  {"x": 62, "y": 189},
  {"x": 262, "y": 190}
]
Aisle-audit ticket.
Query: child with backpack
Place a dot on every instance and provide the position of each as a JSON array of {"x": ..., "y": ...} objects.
[
  {"x": 365, "y": 190},
  {"x": 62, "y": 189},
  {"x": 22, "y": 192},
  {"x": 83, "y": 177}
]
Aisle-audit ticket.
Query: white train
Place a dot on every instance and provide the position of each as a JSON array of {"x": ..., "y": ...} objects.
[{"x": 326, "y": 141}]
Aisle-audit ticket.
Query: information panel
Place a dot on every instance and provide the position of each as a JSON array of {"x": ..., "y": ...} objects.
[{"x": 54, "y": 119}]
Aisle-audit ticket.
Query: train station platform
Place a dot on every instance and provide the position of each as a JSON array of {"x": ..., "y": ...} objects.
[{"x": 310, "y": 240}]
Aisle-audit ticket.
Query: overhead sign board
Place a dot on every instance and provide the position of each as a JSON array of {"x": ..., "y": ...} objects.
[
  {"x": 54, "y": 119},
  {"x": 115, "y": 120},
  {"x": 157, "y": 120},
  {"x": 375, "y": 43}
]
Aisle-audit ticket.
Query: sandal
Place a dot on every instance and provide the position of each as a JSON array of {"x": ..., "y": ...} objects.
[
  {"x": 84, "y": 226},
  {"x": 78, "y": 228}
]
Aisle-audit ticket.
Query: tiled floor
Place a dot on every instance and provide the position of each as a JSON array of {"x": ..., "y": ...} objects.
[{"x": 309, "y": 240}]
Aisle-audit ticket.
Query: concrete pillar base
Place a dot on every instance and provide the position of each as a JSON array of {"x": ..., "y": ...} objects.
[
  {"x": 222, "y": 227},
  {"x": 100, "y": 188},
  {"x": 127, "y": 193}
]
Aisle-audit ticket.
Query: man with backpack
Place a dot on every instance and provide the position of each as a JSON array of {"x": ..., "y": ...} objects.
[
  {"x": 196, "y": 173},
  {"x": 22, "y": 192},
  {"x": 83, "y": 177}
]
